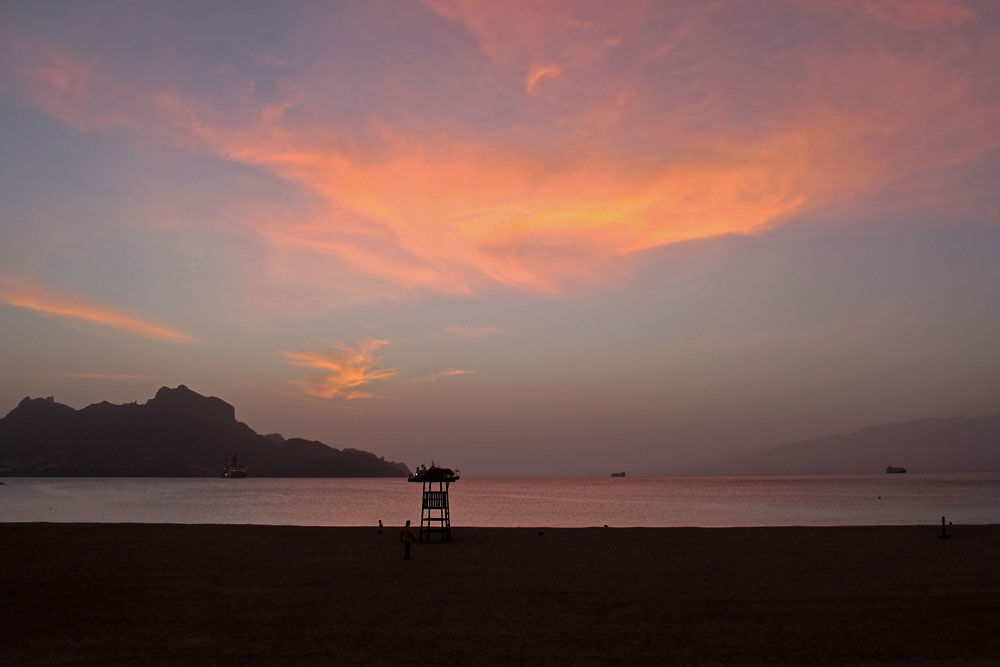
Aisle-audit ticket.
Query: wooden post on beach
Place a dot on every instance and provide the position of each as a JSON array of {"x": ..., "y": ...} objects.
[{"x": 944, "y": 531}]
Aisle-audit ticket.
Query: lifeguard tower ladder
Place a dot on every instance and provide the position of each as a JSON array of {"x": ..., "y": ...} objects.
[{"x": 435, "y": 514}]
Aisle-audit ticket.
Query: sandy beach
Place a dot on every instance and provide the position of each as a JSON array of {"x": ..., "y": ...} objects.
[{"x": 202, "y": 594}]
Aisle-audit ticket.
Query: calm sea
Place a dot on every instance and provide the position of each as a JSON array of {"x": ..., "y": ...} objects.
[{"x": 821, "y": 500}]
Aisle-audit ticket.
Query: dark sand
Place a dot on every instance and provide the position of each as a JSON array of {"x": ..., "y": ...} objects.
[{"x": 107, "y": 594}]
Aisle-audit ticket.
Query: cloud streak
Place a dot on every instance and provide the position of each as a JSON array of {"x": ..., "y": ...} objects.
[
  {"x": 538, "y": 73},
  {"x": 434, "y": 377},
  {"x": 42, "y": 300},
  {"x": 108, "y": 377},
  {"x": 344, "y": 370},
  {"x": 471, "y": 332},
  {"x": 911, "y": 14}
]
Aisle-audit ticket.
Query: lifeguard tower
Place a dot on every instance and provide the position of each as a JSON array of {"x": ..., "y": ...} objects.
[{"x": 435, "y": 515}]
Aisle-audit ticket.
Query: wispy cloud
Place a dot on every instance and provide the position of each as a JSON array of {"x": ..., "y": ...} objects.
[
  {"x": 539, "y": 72},
  {"x": 344, "y": 369},
  {"x": 911, "y": 14},
  {"x": 109, "y": 377},
  {"x": 471, "y": 332},
  {"x": 433, "y": 377},
  {"x": 34, "y": 297},
  {"x": 514, "y": 34}
]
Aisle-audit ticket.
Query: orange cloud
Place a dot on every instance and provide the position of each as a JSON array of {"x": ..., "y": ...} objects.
[
  {"x": 344, "y": 369},
  {"x": 36, "y": 298},
  {"x": 538, "y": 73},
  {"x": 453, "y": 216},
  {"x": 433, "y": 377},
  {"x": 632, "y": 155}
]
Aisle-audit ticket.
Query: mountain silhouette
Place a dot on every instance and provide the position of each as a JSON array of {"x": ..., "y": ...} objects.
[
  {"x": 178, "y": 432},
  {"x": 950, "y": 444}
]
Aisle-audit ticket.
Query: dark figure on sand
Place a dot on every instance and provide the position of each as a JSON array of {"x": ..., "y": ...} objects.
[
  {"x": 380, "y": 526},
  {"x": 406, "y": 537}
]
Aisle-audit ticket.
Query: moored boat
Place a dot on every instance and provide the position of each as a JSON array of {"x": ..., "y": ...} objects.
[
  {"x": 234, "y": 469},
  {"x": 618, "y": 474},
  {"x": 895, "y": 470}
]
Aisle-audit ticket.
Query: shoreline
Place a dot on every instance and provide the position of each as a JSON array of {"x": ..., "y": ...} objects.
[
  {"x": 648, "y": 502},
  {"x": 168, "y": 524},
  {"x": 251, "y": 594}
]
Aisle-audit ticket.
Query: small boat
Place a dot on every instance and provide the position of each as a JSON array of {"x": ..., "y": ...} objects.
[
  {"x": 618, "y": 474},
  {"x": 894, "y": 470},
  {"x": 433, "y": 474},
  {"x": 234, "y": 469}
]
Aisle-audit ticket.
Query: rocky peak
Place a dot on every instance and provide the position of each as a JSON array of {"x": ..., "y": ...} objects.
[
  {"x": 31, "y": 407},
  {"x": 183, "y": 401}
]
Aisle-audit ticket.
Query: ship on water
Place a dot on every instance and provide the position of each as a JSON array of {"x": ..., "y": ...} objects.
[
  {"x": 233, "y": 469},
  {"x": 894, "y": 470},
  {"x": 618, "y": 474}
]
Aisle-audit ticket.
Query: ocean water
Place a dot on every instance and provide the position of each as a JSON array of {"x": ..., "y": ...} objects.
[{"x": 816, "y": 500}]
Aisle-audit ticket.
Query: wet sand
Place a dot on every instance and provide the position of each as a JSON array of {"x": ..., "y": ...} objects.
[{"x": 178, "y": 594}]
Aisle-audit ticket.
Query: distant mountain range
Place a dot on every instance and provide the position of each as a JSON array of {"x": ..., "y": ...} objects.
[
  {"x": 178, "y": 432},
  {"x": 950, "y": 444}
]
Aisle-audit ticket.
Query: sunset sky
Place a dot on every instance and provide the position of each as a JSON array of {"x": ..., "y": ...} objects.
[{"x": 521, "y": 238}]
